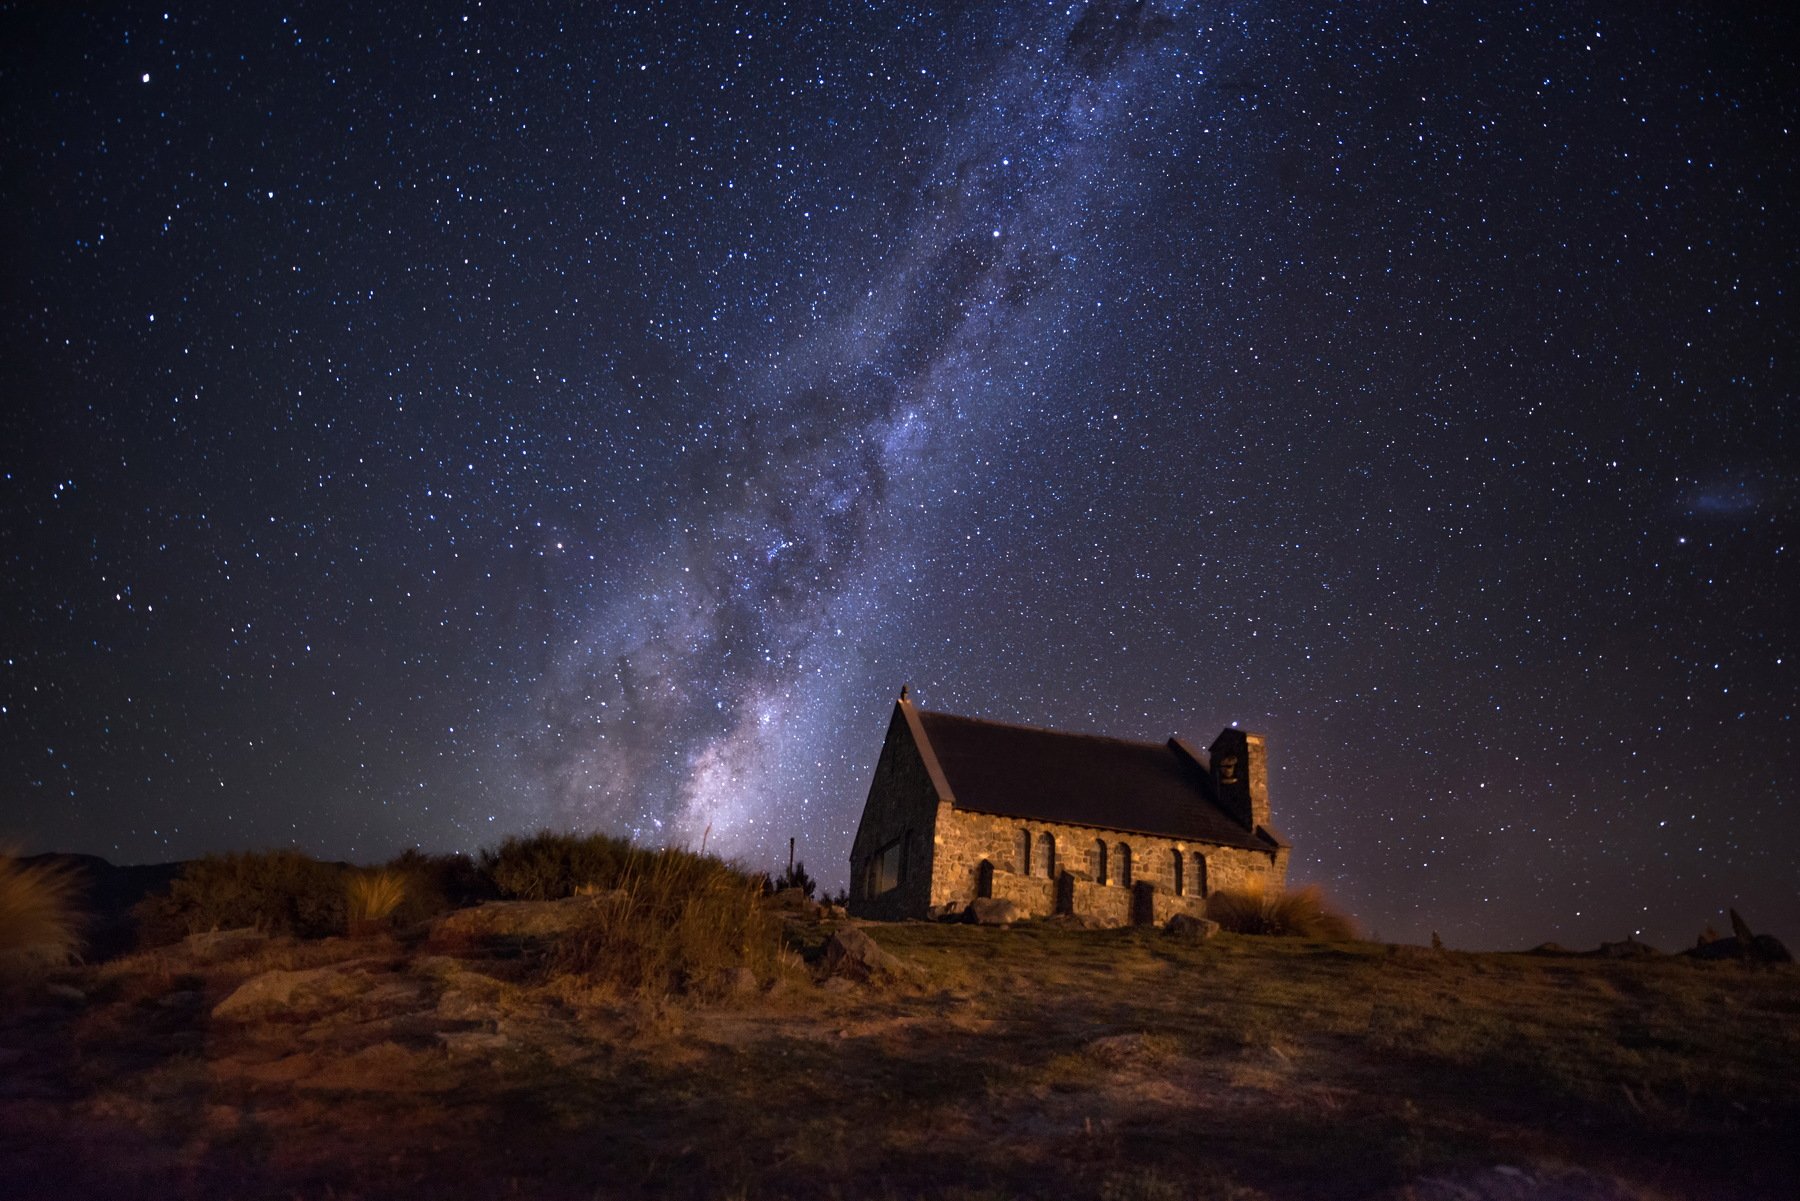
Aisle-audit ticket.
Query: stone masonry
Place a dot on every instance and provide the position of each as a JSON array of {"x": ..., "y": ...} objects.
[{"x": 923, "y": 848}]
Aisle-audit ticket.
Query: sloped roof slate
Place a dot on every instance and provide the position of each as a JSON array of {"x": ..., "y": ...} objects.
[{"x": 1080, "y": 780}]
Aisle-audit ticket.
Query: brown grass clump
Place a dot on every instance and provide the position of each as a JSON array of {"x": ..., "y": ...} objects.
[
  {"x": 39, "y": 925},
  {"x": 282, "y": 892},
  {"x": 1297, "y": 914},
  {"x": 672, "y": 921},
  {"x": 371, "y": 897}
]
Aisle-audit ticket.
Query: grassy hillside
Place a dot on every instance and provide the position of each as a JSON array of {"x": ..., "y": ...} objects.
[{"x": 1025, "y": 1062}]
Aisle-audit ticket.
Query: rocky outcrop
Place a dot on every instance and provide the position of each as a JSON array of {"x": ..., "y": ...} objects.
[
  {"x": 1189, "y": 928},
  {"x": 852, "y": 954},
  {"x": 992, "y": 911},
  {"x": 293, "y": 993}
]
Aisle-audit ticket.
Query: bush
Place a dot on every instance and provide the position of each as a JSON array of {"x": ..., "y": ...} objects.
[
  {"x": 1302, "y": 914},
  {"x": 672, "y": 921},
  {"x": 796, "y": 877},
  {"x": 436, "y": 884},
  {"x": 548, "y": 866},
  {"x": 282, "y": 892},
  {"x": 39, "y": 925}
]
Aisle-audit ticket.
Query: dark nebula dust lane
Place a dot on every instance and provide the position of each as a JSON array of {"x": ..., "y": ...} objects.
[{"x": 419, "y": 429}]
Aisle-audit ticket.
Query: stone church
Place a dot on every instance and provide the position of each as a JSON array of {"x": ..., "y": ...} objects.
[{"x": 1120, "y": 831}]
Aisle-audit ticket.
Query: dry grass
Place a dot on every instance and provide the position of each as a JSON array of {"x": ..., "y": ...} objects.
[
  {"x": 371, "y": 897},
  {"x": 1298, "y": 914},
  {"x": 671, "y": 921},
  {"x": 39, "y": 924}
]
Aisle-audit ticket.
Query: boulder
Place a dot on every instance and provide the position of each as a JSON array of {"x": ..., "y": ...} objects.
[
  {"x": 992, "y": 911},
  {"x": 309, "y": 990},
  {"x": 216, "y": 945},
  {"x": 792, "y": 898},
  {"x": 1189, "y": 928},
  {"x": 517, "y": 919},
  {"x": 1762, "y": 948},
  {"x": 851, "y": 953}
]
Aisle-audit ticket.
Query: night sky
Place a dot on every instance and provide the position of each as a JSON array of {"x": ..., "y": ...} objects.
[{"x": 417, "y": 429}]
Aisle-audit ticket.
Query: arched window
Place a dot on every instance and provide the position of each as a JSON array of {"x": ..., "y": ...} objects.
[
  {"x": 1024, "y": 847},
  {"x": 1098, "y": 863},
  {"x": 984, "y": 879},
  {"x": 1124, "y": 868},
  {"x": 1199, "y": 889},
  {"x": 1047, "y": 855},
  {"x": 1180, "y": 882}
]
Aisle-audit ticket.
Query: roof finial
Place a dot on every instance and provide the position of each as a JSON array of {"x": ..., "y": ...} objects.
[{"x": 905, "y": 691}]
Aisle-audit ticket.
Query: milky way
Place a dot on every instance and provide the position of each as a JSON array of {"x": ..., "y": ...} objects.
[
  {"x": 691, "y": 705},
  {"x": 423, "y": 429}
]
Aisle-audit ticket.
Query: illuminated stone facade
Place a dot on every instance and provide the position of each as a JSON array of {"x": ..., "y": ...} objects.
[{"x": 1119, "y": 832}]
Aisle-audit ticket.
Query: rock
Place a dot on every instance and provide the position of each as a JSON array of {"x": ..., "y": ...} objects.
[
  {"x": 1076, "y": 921},
  {"x": 1766, "y": 948},
  {"x": 308, "y": 990},
  {"x": 471, "y": 997},
  {"x": 735, "y": 982},
  {"x": 385, "y": 1067},
  {"x": 851, "y": 953},
  {"x": 516, "y": 919},
  {"x": 1630, "y": 948},
  {"x": 217, "y": 945},
  {"x": 1504, "y": 1182},
  {"x": 180, "y": 999},
  {"x": 1190, "y": 928},
  {"x": 837, "y": 984},
  {"x": 464, "y": 1042},
  {"x": 1762, "y": 948},
  {"x": 992, "y": 911},
  {"x": 67, "y": 994},
  {"x": 1549, "y": 948},
  {"x": 792, "y": 898}
]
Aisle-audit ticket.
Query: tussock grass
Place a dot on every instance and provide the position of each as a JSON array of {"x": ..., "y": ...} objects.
[
  {"x": 671, "y": 921},
  {"x": 283, "y": 892},
  {"x": 371, "y": 898},
  {"x": 1298, "y": 914},
  {"x": 39, "y": 924}
]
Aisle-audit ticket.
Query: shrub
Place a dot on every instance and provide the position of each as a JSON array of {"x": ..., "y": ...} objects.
[
  {"x": 39, "y": 924},
  {"x": 371, "y": 897},
  {"x": 548, "y": 866},
  {"x": 673, "y": 921},
  {"x": 282, "y": 892},
  {"x": 1301, "y": 914},
  {"x": 437, "y": 883},
  {"x": 796, "y": 877}
]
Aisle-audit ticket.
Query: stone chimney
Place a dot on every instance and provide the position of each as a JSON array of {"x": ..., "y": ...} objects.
[{"x": 1240, "y": 774}]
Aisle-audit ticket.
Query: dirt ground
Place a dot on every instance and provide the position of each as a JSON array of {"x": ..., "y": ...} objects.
[{"x": 1023, "y": 1062}]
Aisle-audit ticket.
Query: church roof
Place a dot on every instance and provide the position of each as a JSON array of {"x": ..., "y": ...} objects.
[{"x": 1154, "y": 788}]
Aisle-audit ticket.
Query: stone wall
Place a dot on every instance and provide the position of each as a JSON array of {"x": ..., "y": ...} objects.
[
  {"x": 963, "y": 840},
  {"x": 1033, "y": 894},
  {"x": 902, "y": 804}
]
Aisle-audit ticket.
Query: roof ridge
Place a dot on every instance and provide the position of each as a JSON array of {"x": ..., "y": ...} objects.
[{"x": 1020, "y": 725}]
